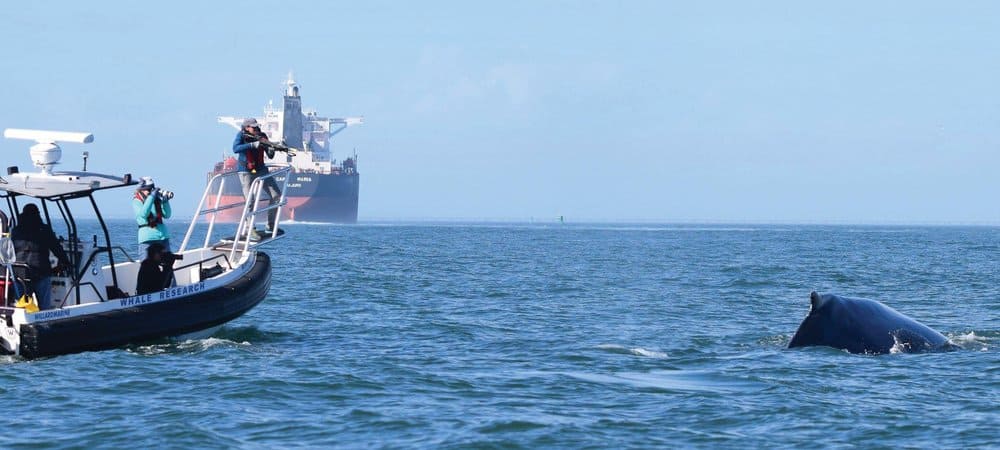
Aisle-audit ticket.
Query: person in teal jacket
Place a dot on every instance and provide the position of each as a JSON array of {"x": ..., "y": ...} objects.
[{"x": 151, "y": 206}]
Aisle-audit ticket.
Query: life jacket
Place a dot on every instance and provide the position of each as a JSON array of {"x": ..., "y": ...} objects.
[
  {"x": 255, "y": 156},
  {"x": 152, "y": 220}
]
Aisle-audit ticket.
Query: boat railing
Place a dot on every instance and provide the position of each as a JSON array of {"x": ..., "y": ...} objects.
[
  {"x": 242, "y": 240},
  {"x": 98, "y": 252},
  {"x": 64, "y": 301}
]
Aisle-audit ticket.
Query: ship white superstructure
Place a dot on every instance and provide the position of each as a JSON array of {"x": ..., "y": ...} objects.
[{"x": 308, "y": 132}]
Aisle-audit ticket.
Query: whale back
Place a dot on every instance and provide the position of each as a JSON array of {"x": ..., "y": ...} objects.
[{"x": 862, "y": 326}]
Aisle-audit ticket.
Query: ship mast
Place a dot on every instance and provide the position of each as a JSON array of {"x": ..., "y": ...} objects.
[{"x": 290, "y": 126}]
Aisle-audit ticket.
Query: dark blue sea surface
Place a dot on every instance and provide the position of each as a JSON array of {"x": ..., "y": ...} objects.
[{"x": 536, "y": 336}]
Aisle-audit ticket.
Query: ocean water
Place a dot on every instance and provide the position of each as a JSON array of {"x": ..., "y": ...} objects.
[{"x": 546, "y": 336}]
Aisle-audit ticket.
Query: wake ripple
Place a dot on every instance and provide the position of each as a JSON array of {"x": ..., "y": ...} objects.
[{"x": 637, "y": 351}]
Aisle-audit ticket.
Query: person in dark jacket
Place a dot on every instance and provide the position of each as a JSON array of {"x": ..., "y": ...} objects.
[
  {"x": 249, "y": 145},
  {"x": 33, "y": 240},
  {"x": 156, "y": 272}
]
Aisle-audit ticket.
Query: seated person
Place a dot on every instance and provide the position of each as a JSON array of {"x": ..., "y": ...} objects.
[{"x": 156, "y": 272}]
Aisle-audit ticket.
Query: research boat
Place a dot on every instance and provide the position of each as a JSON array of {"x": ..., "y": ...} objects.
[{"x": 95, "y": 306}]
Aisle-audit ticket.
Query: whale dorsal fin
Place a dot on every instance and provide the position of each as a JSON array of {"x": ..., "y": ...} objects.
[{"x": 815, "y": 300}]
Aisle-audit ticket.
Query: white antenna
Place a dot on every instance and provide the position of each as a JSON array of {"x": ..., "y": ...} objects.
[{"x": 45, "y": 153}]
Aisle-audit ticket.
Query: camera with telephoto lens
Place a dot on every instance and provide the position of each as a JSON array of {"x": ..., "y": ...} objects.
[
  {"x": 168, "y": 257},
  {"x": 164, "y": 194}
]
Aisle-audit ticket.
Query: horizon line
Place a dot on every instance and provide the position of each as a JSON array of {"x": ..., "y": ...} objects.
[{"x": 626, "y": 221}]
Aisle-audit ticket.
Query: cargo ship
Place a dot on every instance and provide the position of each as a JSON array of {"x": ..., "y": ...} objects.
[{"x": 320, "y": 188}]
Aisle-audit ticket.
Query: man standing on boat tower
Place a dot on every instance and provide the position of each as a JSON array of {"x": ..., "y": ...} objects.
[{"x": 249, "y": 145}]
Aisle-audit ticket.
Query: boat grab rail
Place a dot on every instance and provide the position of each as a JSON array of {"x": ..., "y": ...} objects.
[
  {"x": 97, "y": 252},
  {"x": 251, "y": 209},
  {"x": 124, "y": 252},
  {"x": 62, "y": 303},
  {"x": 222, "y": 208}
]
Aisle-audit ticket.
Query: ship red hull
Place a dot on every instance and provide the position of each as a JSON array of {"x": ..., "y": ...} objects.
[{"x": 312, "y": 197}]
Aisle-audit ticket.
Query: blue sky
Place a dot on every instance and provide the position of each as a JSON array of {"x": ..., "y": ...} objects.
[{"x": 658, "y": 111}]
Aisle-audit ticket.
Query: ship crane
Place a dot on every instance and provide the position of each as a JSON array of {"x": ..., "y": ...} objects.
[
  {"x": 344, "y": 123},
  {"x": 234, "y": 122}
]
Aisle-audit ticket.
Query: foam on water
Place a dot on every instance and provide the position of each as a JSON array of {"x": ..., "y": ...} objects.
[
  {"x": 187, "y": 346},
  {"x": 637, "y": 351},
  {"x": 970, "y": 341},
  {"x": 677, "y": 380}
]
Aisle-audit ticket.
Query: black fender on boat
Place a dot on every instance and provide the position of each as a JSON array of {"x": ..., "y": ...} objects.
[{"x": 148, "y": 322}]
